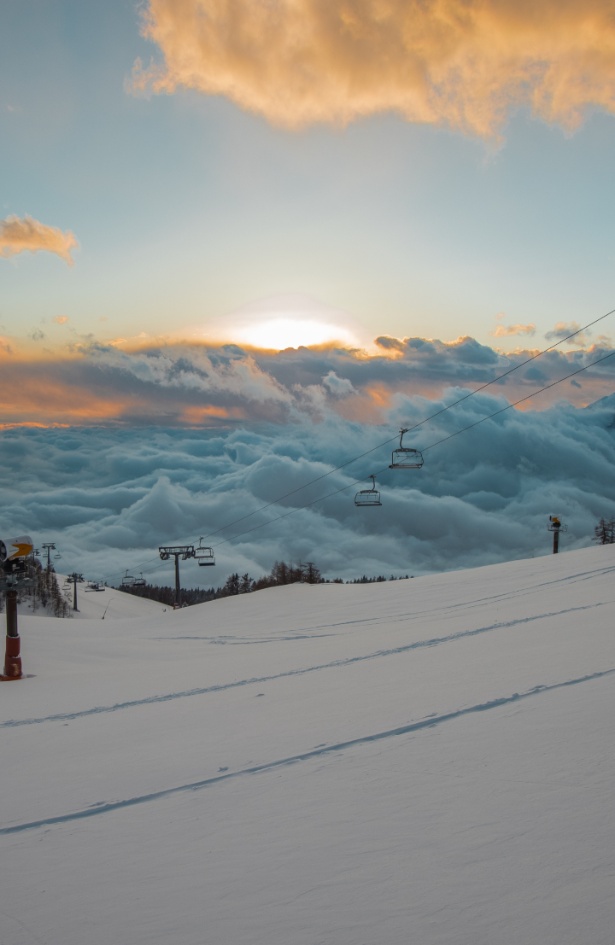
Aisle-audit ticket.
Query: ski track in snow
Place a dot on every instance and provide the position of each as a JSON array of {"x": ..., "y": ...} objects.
[
  {"x": 430, "y": 721},
  {"x": 258, "y": 680}
]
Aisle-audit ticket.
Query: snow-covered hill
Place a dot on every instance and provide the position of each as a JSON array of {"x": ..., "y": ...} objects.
[
  {"x": 426, "y": 761},
  {"x": 107, "y": 603}
]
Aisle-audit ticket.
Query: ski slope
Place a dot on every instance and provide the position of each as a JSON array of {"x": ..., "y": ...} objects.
[
  {"x": 425, "y": 761},
  {"x": 108, "y": 603}
]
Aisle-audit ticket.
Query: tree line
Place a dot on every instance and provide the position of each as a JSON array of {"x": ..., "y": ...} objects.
[
  {"x": 42, "y": 592},
  {"x": 281, "y": 573}
]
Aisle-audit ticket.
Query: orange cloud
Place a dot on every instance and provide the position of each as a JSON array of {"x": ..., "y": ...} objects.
[
  {"x": 28, "y": 235},
  {"x": 465, "y": 65},
  {"x": 201, "y": 416},
  {"x": 507, "y": 331},
  {"x": 207, "y": 387},
  {"x": 48, "y": 401},
  {"x": 34, "y": 425}
]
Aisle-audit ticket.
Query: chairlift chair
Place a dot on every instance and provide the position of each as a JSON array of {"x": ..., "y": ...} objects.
[
  {"x": 204, "y": 555},
  {"x": 368, "y": 496},
  {"x": 405, "y": 457},
  {"x": 128, "y": 580}
]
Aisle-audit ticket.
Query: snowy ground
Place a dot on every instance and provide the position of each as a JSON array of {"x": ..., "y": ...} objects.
[
  {"x": 427, "y": 761},
  {"x": 108, "y": 603}
]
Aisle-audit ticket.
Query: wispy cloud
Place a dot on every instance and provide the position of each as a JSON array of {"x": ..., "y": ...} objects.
[
  {"x": 464, "y": 65},
  {"x": 565, "y": 329},
  {"x": 21, "y": 235},
  {"x": 509, "y": 331}
]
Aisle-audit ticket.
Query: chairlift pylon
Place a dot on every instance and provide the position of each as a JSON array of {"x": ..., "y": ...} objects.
[
  {"x": 405, "y": 457},
  {"x": 368, "y": 496}
]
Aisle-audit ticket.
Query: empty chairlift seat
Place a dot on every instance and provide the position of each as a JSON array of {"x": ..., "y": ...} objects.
[
  {"x": 404, "y": 457},
  {"x": 368, "y": 496},
  {"x": 204, "y": 556}
]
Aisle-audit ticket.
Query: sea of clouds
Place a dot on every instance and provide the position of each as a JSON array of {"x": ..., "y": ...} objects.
[{"x": 260, "y": 492}]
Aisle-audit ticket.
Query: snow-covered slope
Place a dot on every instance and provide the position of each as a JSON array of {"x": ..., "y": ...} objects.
[
  {"x": 426, "y": 761},
  {"x": 107, "y": 603}
]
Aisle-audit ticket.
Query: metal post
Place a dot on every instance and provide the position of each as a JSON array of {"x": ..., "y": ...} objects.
[
  {"x": 49, "y": 546},
  {"x": 177, "y": 551},
  {"x": 12, "y": 659},
  {"x": 11, "y": 613},
  {"x": 76, "y": 579},
  {"x": 177, "y": 585},
  {"x": 14, "y": 556},
  {"x": 555, "y": 526}
]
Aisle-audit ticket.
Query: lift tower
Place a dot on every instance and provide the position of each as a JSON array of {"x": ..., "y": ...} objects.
[{"x": 177, "y": 551}]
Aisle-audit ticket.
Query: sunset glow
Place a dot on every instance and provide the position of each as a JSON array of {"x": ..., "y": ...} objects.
[{"x": 276, "y": 334}]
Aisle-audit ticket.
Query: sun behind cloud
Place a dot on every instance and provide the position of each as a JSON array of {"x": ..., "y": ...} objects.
[
  {"x": 279, "y": 333},
  {"x": 281, "y": 322}
]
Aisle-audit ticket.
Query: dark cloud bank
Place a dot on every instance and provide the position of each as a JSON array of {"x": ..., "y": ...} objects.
[{"x": 109, "y": 497}]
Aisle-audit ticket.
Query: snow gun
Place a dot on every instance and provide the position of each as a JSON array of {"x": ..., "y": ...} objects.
[{"x": 11, "y": 549}]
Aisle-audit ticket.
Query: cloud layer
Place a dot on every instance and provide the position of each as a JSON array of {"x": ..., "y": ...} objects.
[
  {"x": 463, "y": 65},
  {"x": 21, "y": 235},
  {"x": 201, "y": 385},
  {"x": 109, "y": 498}
]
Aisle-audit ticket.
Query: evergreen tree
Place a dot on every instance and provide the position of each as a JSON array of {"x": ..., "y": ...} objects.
[
  {"x": 232, "y": 586},
  {"x": 605, "y": 532},
  {"x": 245, "y": 584}
]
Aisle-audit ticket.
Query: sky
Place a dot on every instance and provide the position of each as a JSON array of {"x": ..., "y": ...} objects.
[
  {"x": 304, "y": 225},
  {"x": 301, "y": 172},
  {"x": 427, "y": 760}
]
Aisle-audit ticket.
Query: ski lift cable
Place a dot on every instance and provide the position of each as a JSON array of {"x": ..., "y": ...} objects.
[
  {"x": 416, "y": 426},
  {"x": 330, "y": 495},
  {"x": 511, "y": 370},
  {"x": 517, "y": 402},
  {"x": 425, "y": 449}
]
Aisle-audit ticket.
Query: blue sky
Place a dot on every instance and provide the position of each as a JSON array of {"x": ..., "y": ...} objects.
[{"x": 194, "y": 216}]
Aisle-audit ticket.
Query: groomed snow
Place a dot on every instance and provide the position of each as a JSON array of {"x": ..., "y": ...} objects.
[{"x": 426, "y": 761}]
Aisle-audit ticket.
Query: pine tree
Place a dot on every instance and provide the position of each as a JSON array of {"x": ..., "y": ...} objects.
[{"x": 605, "y": 532}]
